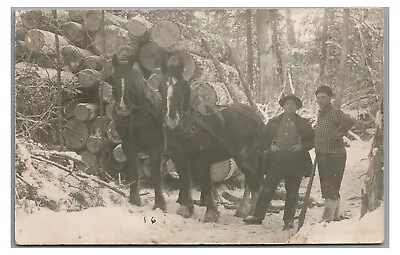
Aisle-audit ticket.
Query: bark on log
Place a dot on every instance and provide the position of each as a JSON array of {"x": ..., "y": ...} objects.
[
  {"x": 152, "y": 55},
  {"x": 119, "y": 153},
  {"x": 92, "y": 164},
  {"x": 112, "y": 133},
  {"x": 92, "y": 20},
  {"x": 94, "y": 62},
  {"x": 247, "y": 90},
  {"x": 75, "y": 133},
  {"x": 96, "y": 125},
  {"x": 220, "y": 70},
  {"x": 110, "y": 110},
  {"x": 106, "y": 92},
  {"x": 115, "y": 38},
  {"x": 68, "y": 79},
  {"x": 89, "y": 77},
  {"x": 43, "y": 19},
  {"x": 86, "y": 111},
  {"x": 73, "y": 31},
  {"x": 43, "y": 41},
  {"x": 139, "y": 28},
  {"x": 205, "y": 72},
  {"x": 74, "y": 56},
  {"x": 76, "y": 16}
]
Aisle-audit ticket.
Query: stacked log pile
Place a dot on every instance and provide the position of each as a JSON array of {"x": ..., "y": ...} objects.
[{"x": 87, "y": 45}]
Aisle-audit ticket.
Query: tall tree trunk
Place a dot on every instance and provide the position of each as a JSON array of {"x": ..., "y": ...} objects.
[
  {"x": 273, "y": 18},
  {"x": 343, "y": 58},
  {"x": 323, "y": 48},
  {"x": 249, "y": 48},
  {"x": 289, "y": 28},
  {"x": 265, "y": 54}
]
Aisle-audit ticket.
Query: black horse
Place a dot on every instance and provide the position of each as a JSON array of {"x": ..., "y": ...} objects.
[
  {"x": 138, "y": 128},
  {"x": 213, "y": 136}
]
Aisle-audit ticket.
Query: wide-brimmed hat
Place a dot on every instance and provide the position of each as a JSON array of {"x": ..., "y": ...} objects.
[{"x": 292, "y": 97}]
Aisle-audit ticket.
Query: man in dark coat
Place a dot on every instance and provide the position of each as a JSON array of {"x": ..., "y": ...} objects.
[
  {"x": 288, "y": 138},
  {"x": 332, "y": 125}
]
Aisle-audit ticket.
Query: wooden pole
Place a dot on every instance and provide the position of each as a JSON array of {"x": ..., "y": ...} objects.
[
  {"x": 343, "y": 58},
  {"x": 220, "y": 70},
  {"x": 60, "y": 87},
  {"x": 303, "y": 212}
]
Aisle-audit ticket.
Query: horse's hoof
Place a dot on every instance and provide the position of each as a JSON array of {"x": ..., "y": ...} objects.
[
  {"x": 161, "y": 205},
  {"x": 241, "y": 212},
  {"x": 135, "y": 200},
  {"x": 211, "y": 216},
  {"x": 185, "y": 212}
]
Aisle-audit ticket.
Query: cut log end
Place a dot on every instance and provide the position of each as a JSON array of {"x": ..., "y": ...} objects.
[
  {"x": 151, "y": 56},
  {"x": 94, "y": 144},
  {"x": 165, "y": 33},
  {"x": 189, "y": 65},
  {"x": 91, "y": 163},
  {"x": 88, "y": 77},
  {"x": 75, "y": 134},
  {"x": 106, "y": 92},
  {"x": 73, "y": 31},
  {"x": 76, "y": 15},
  {"x": 31, "y": 19},
  {"x": 86, "y": 111},
  {"x": 92, "y": 20},
  {"x": 119, "y": 153}
]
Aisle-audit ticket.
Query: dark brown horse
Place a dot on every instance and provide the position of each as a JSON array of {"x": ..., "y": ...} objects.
[{"x": 209, "y": 137}]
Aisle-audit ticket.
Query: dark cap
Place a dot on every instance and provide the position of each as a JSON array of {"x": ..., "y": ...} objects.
[{"x": 324, "y": 89}]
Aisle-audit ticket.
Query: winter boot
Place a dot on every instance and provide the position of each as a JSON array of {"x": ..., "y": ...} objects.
[
  {"x": 252, "y": 220},
  {"x": 329, "y": 210},
  {"x": 288, "y": 224},
  {"x": 337, "y": 216}
]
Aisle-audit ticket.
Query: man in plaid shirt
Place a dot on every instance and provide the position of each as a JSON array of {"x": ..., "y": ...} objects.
[{"x": 332, "y": 125}]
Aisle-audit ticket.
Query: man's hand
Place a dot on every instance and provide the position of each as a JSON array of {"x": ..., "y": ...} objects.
[
  {"x": 274, "y": 148},
  {"x": 297, "y": 147}
]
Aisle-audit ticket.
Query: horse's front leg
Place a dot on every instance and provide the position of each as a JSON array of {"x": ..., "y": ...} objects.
[
  {"x": 131, "y": 153},
  {"x": 183, "y": 166},
  {"x": 204, "y": 168},
  {"x": 133, "y": 176},
  {"x": 155, "y": 161}
]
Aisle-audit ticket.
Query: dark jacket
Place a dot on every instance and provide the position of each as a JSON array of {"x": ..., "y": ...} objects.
[{"x": 306, "y": 133}]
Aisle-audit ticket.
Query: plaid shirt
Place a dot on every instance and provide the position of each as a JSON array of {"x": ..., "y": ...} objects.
[{"x": 332, "y": 125}]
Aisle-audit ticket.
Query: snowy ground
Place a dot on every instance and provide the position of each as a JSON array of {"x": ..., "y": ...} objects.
[{"x": 126, "y": 224}]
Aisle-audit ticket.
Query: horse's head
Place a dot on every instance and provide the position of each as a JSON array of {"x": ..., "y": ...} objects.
[
  {"x": 124, "y": 80},
  {"x": 178, "y": 92}
]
